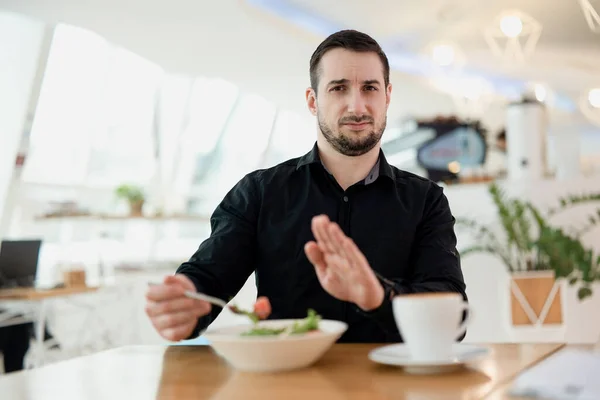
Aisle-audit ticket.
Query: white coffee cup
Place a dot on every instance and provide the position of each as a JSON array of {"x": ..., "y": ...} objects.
[{"x": 430, "y": 323}]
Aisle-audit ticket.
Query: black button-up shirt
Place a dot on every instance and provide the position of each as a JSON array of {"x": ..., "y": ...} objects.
[{"x": 400, "y": 221}]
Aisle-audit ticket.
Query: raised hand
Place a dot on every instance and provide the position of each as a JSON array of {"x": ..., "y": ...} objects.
[{"x": 341, "y": 267}]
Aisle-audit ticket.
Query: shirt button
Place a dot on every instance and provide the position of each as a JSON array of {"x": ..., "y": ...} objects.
[{"x": 345, "y": 199}]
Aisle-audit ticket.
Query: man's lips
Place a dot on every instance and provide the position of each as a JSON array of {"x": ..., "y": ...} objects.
[{"x": 357, "y": 126}]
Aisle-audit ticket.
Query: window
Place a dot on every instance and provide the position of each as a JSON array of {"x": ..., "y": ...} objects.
[
  {"x": 106, "y": 116},
  {"x": 123, "y": 148},
  {"x": 241, "y": 148},
  {"x": 68, "y": 110},
  {"x": 244, "y": 142},
  {"x": 94, "y": 121},
  {"x": 210, "y": 106}
]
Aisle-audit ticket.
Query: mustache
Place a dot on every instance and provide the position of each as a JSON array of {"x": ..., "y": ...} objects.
[{"x": 356, "y": 119}]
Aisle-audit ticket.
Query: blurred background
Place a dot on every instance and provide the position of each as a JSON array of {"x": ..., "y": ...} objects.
[{"x": 124, "y": 123}]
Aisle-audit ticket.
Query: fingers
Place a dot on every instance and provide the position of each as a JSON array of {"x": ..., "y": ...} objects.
[
  {"x": 178, "y": 333},
  {"x": 317, "y": 259},
  {"x": 180, "y": 279},
  {"x": 338, "y": 238},
  {"x": 171, "y": 320},
  {"x": 173, "y": 315},
  {"x": 174, "y": 319},
  {"x": 319, "y": 228},
  {"x": 331, "y": 274},
  {"x": 314, "y": 254},
  {"x": 164, "y": 292},
  {"x": 156, "y": 308},
  {"x": 329, "y": 235}
]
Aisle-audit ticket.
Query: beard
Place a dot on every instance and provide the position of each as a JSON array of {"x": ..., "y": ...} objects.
[{"x": 352, "y": 146}]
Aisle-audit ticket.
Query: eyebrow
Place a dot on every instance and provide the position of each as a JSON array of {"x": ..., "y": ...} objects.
[{"x": 346, "y": 81}]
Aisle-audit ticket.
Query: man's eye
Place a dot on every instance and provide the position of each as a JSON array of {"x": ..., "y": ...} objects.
[
  {"x": 370, "y": 87},
  {"x": 337, "y": 88}
]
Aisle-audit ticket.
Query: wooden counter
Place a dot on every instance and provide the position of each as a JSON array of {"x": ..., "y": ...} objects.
[
  {"x": 195, "y": 372},
  {"x": 40, "y": 294}
]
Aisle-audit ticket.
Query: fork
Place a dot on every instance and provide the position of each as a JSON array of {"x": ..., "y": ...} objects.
[
  {"x": 201, "y": 296},
  {"x": 217, "y": 302}
]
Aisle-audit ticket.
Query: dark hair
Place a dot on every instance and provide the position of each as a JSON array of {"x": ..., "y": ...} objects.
[{"x": 350, "y": 40}]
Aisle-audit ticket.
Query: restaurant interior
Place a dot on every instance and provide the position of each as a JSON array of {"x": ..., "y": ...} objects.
[{"x": 125, "y": 123}]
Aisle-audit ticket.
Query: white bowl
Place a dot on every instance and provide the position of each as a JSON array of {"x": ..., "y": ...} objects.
[{"x": 273, "y": 353}]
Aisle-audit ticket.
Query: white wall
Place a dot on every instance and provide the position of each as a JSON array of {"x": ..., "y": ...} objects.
[{"x": 20, "y": 41}]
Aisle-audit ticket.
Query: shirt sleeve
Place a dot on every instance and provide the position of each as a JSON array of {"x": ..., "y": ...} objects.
[
  {"x": 225, "y": 260},
  {"x": 435, "y": 262}
]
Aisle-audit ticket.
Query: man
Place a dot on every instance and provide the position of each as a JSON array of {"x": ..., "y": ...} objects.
[{"x": 338, "y": 230}]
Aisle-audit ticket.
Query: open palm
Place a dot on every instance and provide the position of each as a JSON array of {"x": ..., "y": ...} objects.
[{"x": 341, "y": 267}]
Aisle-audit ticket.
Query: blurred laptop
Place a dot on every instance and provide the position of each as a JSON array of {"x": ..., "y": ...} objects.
[{"x": 19, "y": 262}]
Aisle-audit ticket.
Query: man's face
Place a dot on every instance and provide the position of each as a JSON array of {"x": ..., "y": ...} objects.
[{"x": 352, "y": 100}]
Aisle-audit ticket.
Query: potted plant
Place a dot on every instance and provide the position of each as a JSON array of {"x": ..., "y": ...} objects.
[
  {"x": 537, "y": 255},
  {"x": 134, "y": 196}
]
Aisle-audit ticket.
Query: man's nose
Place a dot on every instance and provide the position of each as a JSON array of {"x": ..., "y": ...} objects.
[{"x": 357, "y": 104}]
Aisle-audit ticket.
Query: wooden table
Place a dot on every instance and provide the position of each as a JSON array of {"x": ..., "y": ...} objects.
[
  {"x": 29, "y": 294},
  {"x": 195, "y": 372}
]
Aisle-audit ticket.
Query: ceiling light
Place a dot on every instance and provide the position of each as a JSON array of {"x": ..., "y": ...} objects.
[
  {"x": 594, "y": 97},
  {"x": 513, "y": 36},
  {"x": 444, "y": 55},
  {"x": 511, "y": 25}
]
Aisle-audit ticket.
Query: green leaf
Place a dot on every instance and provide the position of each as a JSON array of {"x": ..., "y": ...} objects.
[
  {"x": 584, "y": 292},
  {"x": 574, "y": 200},
  {"x": 572, "y": 281},
  {"x": 253, "y": 317},
  {"x": 262, "y": 331},
  {"x": 310, "y": 323}
]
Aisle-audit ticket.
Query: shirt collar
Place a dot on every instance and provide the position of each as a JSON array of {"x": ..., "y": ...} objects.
[{"x": 381, "y": 168}]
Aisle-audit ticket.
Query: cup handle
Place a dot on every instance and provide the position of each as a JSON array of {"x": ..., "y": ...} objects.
[{"x": 463, "y": 326}]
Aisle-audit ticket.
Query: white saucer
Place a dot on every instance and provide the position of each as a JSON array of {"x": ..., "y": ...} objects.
[{"x": 398, "y": 355}]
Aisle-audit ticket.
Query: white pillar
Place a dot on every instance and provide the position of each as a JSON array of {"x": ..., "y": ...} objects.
[
  {"x": 20, "y": 41},
  {"x": 567, "y": 153},
  {"x": 526, "y": 130}
]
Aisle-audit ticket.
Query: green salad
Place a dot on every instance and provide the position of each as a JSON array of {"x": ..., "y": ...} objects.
[{"x": 308, "y": 324}]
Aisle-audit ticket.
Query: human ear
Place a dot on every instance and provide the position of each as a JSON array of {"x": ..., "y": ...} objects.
[
  {"x": 311, "y": 100},
  {"x": 388, "y": 94}
]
